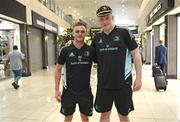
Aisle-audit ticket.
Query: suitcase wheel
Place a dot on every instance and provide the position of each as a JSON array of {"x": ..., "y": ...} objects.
[
  {"x": 157, "y": 89},
  {"x": 165, "y": 88},
  {"x": 161, "y": 88}
]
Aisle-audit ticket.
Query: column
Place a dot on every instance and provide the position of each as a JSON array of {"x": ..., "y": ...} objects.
[
  {"x": 148, "y": 48},
  {"x": 171, "y": 43},
  {"x": 155, "y": 40}
]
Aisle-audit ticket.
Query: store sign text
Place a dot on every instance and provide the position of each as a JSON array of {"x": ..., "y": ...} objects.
[{"x": 155, "y": 10}]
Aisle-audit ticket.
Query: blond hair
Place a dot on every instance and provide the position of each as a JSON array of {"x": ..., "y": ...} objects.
[{"x": 161, "y": 41}]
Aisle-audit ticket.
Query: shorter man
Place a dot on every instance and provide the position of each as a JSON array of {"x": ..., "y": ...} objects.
[
  {"x": 161, "y": 55},
  {"x": 76, "y": 60},
  {"x": 15, "y": 58}
]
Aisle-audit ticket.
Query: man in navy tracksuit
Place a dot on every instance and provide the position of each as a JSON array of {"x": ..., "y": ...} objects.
[{"x": 161, "y": 55}]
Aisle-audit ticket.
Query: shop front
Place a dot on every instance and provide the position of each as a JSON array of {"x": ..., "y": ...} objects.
[
  {"x": 9, "y": 36},
  {"x": 10, "y": 30},
  {"x": 163, "y": 28},
  {"x": 41, "y": 46}
]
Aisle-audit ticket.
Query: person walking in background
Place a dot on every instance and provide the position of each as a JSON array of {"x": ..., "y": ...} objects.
[
  {"x": 113, "y": 48},
  {"x": 76, "y": 60},
  {"x": 161, "y": 55},
  {"x": 15, "y": 58}
]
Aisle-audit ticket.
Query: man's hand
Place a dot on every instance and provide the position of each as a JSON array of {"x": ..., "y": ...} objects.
[
  {"x": 58, "y": 95},
  {"x": 138, "y": 68},
  {"x": 137, "y": 85}
]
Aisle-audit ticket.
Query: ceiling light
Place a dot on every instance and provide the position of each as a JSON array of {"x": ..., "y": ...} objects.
[
  {"x": 74, "y": 11},
  {"x": 69, "y": 7},
  {"x": 123, "y": 5}
]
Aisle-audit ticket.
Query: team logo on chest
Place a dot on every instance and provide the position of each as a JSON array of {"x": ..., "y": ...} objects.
[
  {"x": 79, "y": 58},
  {"x": 116, "y": 39}
]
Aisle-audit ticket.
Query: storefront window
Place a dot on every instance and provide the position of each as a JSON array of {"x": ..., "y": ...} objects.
[
  {"x": 5, "y": 44},
  {"x": 51, "y": 5},
  {"x": 9, "y": 36}
]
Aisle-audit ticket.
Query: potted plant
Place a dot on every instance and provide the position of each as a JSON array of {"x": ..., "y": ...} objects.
[{"x": 64, "y": 38}]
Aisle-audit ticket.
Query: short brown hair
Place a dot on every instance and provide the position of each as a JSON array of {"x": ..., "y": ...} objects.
[{"x": 80, "y": 24}]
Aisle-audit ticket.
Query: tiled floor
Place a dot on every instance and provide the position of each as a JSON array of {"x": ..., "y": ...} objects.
[{"x": 34, "y": 101}]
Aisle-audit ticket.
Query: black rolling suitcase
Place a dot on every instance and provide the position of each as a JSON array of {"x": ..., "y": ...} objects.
[
  {"x": 156, "y": 71},
  {"x": 160, "y": 82},
  {"x": 159, "y": 78}
]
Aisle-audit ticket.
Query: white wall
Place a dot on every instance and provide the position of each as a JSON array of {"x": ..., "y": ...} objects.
[
  {"x": 17, "y": 35},
  {"x": 61, "y": 30},
  {"x": 178, "y": 49},
  {"x": 162, "y": 32}
]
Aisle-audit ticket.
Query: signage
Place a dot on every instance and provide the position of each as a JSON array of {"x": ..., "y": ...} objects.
[
  {"x": 37, "y": 20},
  {"x": 155, "y": 11},
  {"x": 161, "y": 8},
  {"x": 13, "y": 9},
  {"x": 51, "y": 26},
  {"x": 43, "y": 23}
]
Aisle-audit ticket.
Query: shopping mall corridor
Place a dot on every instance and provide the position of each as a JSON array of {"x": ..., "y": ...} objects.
[{"x": 34, "y": 101}]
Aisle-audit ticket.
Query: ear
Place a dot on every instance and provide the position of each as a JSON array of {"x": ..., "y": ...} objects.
[
  {"x": 73, "y": 33},
  {"x": 113, "y": 18}
]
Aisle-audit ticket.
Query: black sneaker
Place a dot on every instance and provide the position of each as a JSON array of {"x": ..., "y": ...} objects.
[{"x": 16, "y": 86}]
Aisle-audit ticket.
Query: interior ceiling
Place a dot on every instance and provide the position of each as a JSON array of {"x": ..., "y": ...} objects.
[{"x": 125, "y": 11}]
